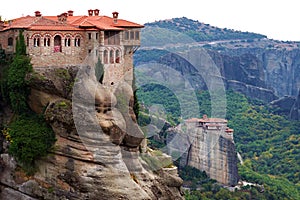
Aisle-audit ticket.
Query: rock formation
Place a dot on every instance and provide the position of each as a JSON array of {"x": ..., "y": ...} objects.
[
  {"x": 210, "y": 148},
  {"x": 99, "y": 148},
  {"x": 295, "y": 109},
  {"x": 261, "y": 72}
]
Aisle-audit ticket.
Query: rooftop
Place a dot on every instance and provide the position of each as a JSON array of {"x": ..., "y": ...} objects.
[{"x": 67, "y": 21}]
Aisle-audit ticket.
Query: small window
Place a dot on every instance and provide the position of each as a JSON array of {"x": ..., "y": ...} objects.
[
  {"x": 90, "y": 36},
  {"x": 126, "y": 35},
  {"x": 27, "y": 41},
  {"x": 137, "y": 35},
  {"x": 117, "y": 56},
  {"x": 90, "y": 50},
  {"x": 67, "y": 42},
  {"x": 132, "y": 35},
  {"x": 46, "y": 42},
  {"x": 36, "y": 41},
  {"x": 105, "y": 55},
  {"x": 77, "y": 42},
  {"x": 111, "y": 56},
  {"x": 10, "y": 41},
  {"x": 97, "y": 36}
]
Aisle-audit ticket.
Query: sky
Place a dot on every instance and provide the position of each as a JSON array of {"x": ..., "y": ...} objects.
[{"x": 276, "y": 19}]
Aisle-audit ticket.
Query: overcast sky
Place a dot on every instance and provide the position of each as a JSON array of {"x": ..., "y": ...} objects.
[{"x": 277, "y": 19}]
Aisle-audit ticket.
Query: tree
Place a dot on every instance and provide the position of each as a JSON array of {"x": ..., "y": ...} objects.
[{"x": 18, "y": 89}]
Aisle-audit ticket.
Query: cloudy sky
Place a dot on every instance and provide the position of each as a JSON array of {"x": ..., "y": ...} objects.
[{"x": 277, "y": 19}]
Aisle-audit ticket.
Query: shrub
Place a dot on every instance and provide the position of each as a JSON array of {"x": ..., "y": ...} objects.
[{"x": 30, "y": 139}]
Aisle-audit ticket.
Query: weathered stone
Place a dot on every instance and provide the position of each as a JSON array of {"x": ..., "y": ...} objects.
[{"x": 96, "y": 154}]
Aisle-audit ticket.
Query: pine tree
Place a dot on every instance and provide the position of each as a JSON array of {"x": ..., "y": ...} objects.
[{"x": 18, "y": 89}]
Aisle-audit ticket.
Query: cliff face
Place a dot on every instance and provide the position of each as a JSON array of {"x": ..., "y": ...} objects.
[
  {"x": 98, "y": 149},
  {"x": 280, "y": 66},
  {"x": 244, "y": 73},
  {"x": 259, "y": 72}
]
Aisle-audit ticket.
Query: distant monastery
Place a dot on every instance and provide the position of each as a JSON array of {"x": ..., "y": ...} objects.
[{"x": 67, "y": 39}]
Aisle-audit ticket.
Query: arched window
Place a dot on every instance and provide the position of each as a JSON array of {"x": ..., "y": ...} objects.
[
  {"x": 117, "y": 56},
  {"x": 105, "y": 55},
  {"x": 36, "y": 41},
  {"x": 46, "y": 41},
  {"x": 10, "y": 41},
  {"x": 27, "y": 41},
  {"x": 77, "y": 42},
  {"x": 67, "y": 41},
  {"x": 111, "y": 56},
  {"x": 57, "y": 43}
]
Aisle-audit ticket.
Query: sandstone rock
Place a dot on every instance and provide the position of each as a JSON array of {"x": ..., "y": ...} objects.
[{"x": 96, "y": 154}]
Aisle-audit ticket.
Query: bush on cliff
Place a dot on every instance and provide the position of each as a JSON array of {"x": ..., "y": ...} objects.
[{"x": 30, "y": 139}]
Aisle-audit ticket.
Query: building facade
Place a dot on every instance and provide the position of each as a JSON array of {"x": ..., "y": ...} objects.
[{"x": 67, "y": 39}]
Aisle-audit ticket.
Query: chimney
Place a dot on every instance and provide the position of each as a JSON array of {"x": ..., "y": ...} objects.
[
  {"x": 90, "y": 11},
  {"x": 38, "y": 14},
  {"x": 70, "y": 13},
  {"x": 62, "y": 17},
  {"x": 96, "y": 11},
  {"x": 115, "y": 16}
]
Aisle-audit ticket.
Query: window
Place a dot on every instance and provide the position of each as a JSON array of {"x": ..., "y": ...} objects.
[
  {"x": 36, "y": 42},
  {"x": 111, "y": 56},
  {"x": 126, "y": 35},
  {"x": 67, "y": 42},
  {"x": 137, "y": 35},
  {"x": 90, "y": 36},
  {"x": 57, "y": 43},
  {"x": 105, "y": 55},
  {"x": 111, "y": 38},
  {"x": 27, "y": 41},
  {"x": 47, "y": 42},
  {"x": 10, "y": 41},
  {"x": 90, "y": 50},
  {"x": 97, "y": 35},
  {"x": 132, "y": 35},
  {"x": 77, "y": 42},
  {"x": 117, "y": 56}
]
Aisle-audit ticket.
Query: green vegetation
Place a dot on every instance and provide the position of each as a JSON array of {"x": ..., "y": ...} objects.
[
  {"x": 151, "y": 94},
  {"x": 17, "y": 88},
  {"x": 194, "y": 29},
  {"x": 30, "y": 139},
  {"x": 202, "y": 187},
  {"x": 268, "y": 142}
]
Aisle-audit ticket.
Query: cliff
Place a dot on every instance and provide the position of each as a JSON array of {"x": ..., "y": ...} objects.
[
  {"x": 248, "y": 63},
  {"x": 99, "y": 149},
  {"x": 210, "y": 149}
]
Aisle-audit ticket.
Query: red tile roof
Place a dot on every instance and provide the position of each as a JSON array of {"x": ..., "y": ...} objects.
[{"x": 72, "y": 23}]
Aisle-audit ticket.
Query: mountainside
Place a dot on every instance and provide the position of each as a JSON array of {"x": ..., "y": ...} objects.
[
  {"x": 171, "y": 63},
  {"x": 249, "y": 63}
]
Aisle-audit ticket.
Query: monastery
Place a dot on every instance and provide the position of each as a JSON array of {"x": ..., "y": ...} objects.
[{"x": 66, "y": 40}]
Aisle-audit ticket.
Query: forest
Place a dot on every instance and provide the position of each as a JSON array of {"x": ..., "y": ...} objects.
[{"x": 268, "y": 143}]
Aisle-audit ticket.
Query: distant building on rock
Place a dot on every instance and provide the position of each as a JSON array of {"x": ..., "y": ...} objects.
[
  {"x": 212, "y": 149},
  {"x": 67, "y": 39}
]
